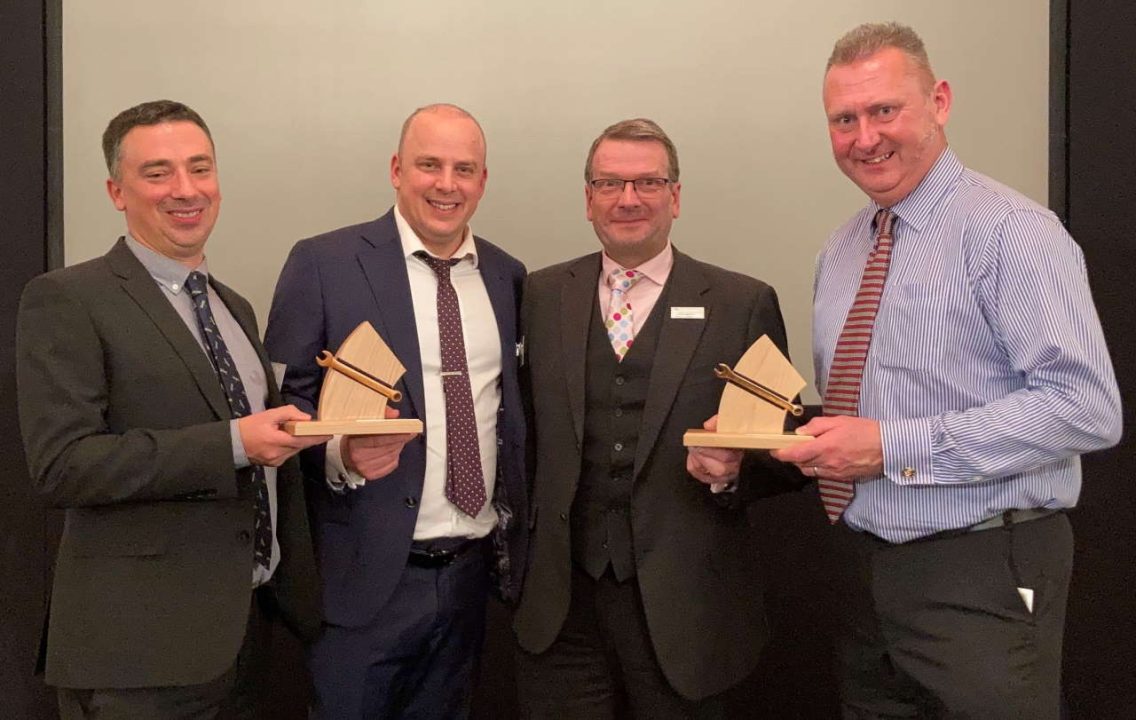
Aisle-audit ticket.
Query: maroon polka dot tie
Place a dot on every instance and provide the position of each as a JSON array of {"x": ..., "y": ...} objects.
[{"x": 465, "y": 483}]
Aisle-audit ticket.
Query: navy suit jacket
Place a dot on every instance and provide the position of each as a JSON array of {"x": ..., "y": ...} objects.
[{"x": 330, "y": 284}]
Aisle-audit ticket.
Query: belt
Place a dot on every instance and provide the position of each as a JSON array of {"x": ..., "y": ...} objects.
[
  {"x": 1012, "y": 517},
  {"x": 434, "y": 554}
]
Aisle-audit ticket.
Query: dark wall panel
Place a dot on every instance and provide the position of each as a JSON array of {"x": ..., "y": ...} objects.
[
  {"x": 24, "y": 206},
  {"x": 1100, "y": 653}
]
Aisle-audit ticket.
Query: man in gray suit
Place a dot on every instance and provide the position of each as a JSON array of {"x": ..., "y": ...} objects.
[
  {"x": 642, "y": 597},
  {"x": 143, "y": 391}
]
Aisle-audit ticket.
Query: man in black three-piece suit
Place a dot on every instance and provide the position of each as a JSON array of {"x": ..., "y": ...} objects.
[
  {"x": 642, "y": 596},
  {"x": 143, "y": 390}
]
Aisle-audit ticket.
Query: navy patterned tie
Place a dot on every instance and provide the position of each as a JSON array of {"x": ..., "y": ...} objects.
[
  {"x": 465, "y": 483},
  {"x": 238, "y": 405}
]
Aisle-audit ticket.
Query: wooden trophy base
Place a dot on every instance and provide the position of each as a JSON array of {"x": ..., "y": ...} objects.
[
  {"x": 742, "y": 441},
  {"x": 377, "y": 426}
]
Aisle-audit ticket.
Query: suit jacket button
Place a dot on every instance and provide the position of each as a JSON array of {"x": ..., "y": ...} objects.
[
  {"x": 411, "y": 502},
  {"x": 564, "y": 516},
  {"x": 244, "y": 536}
]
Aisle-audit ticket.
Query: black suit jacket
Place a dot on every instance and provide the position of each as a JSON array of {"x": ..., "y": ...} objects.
[
  {"x": 329, "y": 285},
  {"x": 694, "y": 551},
  {"x": 127, "y": 427}
]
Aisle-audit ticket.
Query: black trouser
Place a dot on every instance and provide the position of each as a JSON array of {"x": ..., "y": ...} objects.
[
  {"x": 602, "y": 665},
  {"x": 940, "y": 628}
]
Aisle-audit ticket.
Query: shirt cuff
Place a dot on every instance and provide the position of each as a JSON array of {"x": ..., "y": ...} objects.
[
  {"x": 338, "y": 477},
  {"x": 240, "y": 458},
  {"x": 907, "y": 450}
]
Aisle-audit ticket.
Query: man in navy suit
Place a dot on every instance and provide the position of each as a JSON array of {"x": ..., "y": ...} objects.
[{"x": 408, "y": 544}]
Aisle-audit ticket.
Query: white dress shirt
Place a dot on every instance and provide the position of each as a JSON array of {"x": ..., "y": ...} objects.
[{"x": 437, "y": 516}]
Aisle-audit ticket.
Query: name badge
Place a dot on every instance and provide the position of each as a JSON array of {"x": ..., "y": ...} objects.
[{"x": 688, "y": 313}]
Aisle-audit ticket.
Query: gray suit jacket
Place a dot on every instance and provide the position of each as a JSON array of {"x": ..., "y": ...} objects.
[
  {"x": 127, "y": 427},
  {"x": 694, "y": 551}
]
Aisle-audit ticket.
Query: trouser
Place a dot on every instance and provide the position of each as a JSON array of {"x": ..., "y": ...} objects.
[
  {"x": 967, "y": 625},
  {"x": 417, "y": 658},
  {"x": 602, "y": 665}
]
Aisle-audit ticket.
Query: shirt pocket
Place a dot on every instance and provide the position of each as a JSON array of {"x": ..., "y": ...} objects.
[{"x": 918, "y": 327}]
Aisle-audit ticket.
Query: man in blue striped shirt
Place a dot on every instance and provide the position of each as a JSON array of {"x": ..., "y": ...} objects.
[{"x": 986, "y": 377}]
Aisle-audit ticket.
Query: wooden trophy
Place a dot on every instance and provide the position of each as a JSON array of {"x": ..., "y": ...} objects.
[
  {"x": 359, "y": 381},
  {"x": 759, "y": 391}
]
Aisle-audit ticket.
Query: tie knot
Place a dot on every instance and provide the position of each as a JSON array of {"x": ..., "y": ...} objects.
[
  {"x": 623, "y": 280},
  {"x": 440, "y": 266},
  {"x": 884, "y": 221},
  {"x": 195, "y": 283}
]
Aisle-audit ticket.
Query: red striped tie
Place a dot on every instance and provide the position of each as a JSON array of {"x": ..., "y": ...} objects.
[{"x": 842, "y": 393}]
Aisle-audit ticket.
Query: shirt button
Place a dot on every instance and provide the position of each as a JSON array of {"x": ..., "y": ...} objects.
[
  {"x": 909, "y": 472},
  {"x": 619, "y": 447}
]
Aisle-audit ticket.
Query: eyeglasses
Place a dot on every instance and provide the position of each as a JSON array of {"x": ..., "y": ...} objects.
[{"x": 645, "y": 187}]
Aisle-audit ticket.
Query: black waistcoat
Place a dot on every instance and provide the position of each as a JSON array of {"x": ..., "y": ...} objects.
[{"x": 615, "y": 394}]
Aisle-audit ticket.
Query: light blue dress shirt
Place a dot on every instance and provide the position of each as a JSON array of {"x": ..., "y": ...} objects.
[{"x": 987, "y": 368}]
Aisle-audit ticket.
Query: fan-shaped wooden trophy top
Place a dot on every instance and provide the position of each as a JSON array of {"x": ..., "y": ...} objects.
[
  {"x": 359, "y": 382},
  {"x": 760, "y": 389}
]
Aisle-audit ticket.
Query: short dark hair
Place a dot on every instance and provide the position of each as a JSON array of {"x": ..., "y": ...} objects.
[
  {"x": 639, "y": 130},
  {"x": 153, "y": 112}
]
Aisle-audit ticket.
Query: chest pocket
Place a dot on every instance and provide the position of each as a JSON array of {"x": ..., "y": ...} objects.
[{"x": 922, "y": 327}]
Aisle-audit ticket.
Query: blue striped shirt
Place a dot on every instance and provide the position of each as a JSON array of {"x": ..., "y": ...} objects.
[{"x": 987, "y": 369}]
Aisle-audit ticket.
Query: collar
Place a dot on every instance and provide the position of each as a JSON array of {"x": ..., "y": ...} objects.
[
  {"x": 169, "y": 273},
  {"x": 915, "y": 210},
  {"x": 411, "y": 243},
  {"x": 657, "y": 269}
]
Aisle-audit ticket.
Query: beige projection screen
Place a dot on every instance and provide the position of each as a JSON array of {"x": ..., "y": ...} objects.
[{"x": 305, "y": 101}]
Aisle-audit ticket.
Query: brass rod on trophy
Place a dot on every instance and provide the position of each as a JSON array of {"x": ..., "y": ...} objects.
[
  {"x": 329, "y": 361},
  {"x": 755, "y": 388}
]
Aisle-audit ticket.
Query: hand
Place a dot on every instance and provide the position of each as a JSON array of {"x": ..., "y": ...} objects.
[
  {"x": 713, "y": 466},
  {"x": 373, "y": 456},
  {"x": 266, "y": 443},
  {"x": 846, "y": 448}
]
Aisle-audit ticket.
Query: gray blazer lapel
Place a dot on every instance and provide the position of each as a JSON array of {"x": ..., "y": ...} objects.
[
  {"x": 137, "y": 283},
  {"x": 577, "y": 300},
  {"x": 678, "y": 339}
]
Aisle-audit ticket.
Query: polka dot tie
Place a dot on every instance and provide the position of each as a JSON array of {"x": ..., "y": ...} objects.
[
  {"x": 238, "y": 404},
  {"x": 620, "y": 321},
  {"x": 465, "y": 483},
  {"x": 842, "y": 392}
]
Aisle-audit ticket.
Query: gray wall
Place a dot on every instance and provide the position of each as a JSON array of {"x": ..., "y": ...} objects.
[{"x": 305, "y": 101}]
